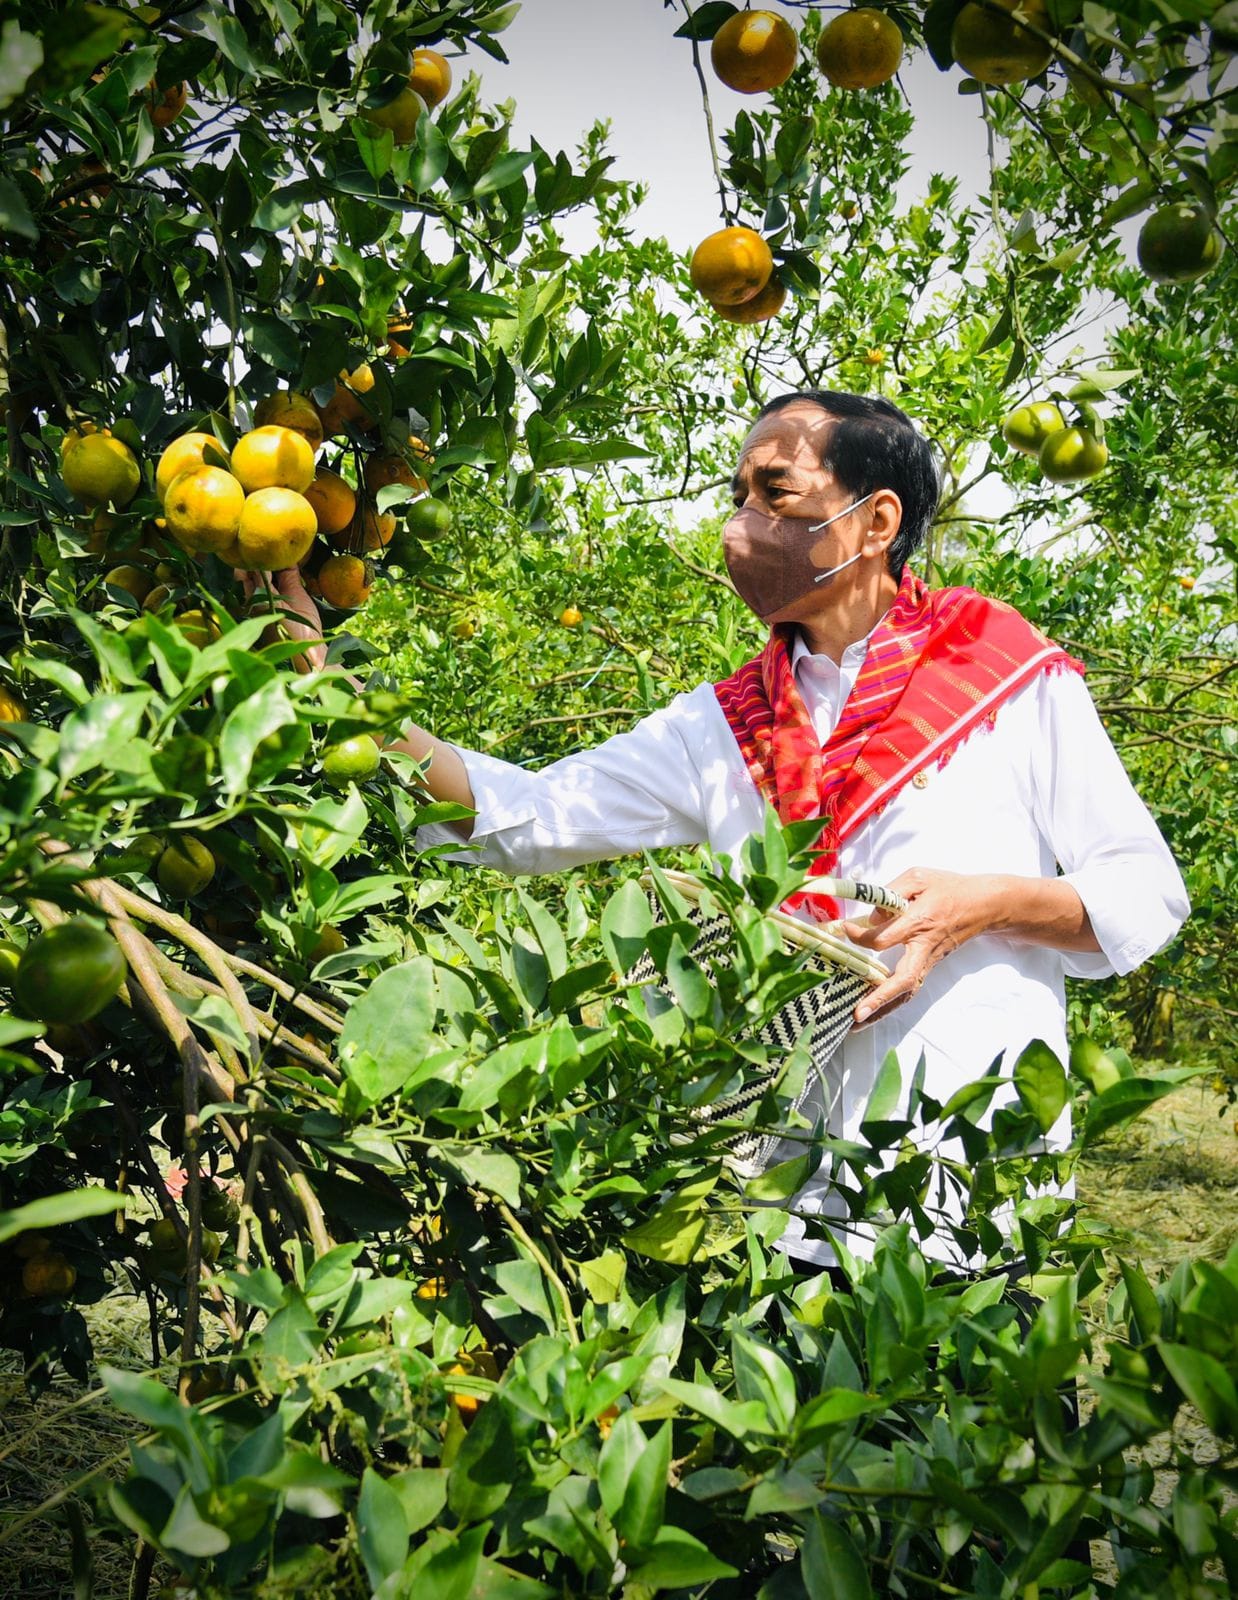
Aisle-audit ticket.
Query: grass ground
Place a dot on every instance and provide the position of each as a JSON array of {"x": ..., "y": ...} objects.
[{"x": 1169, "y": 1186}]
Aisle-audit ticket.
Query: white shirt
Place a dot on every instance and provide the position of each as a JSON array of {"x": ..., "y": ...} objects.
[{"x": 1042, "y": 789}]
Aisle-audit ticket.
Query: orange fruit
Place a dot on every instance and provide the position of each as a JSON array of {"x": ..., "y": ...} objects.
[
  {"x": 1072, "y": 454},
  {"x": 345, "y": 408},
  {"x": 203, "y": 508},
  {"x": 1177, "y": 243},
  {"x": 400, "y": 115},
  {"x": 351, "y": 759},
  {"x": 69, "y": 973},
  {"x": 334, "y": 501},
  {"x": 165, "y": 105},
  {"x": 766, "y": 303},
  {"x": 754, "y": 51},
  {"x": 571, "y": 617},
  {"x": 135, "y": 581},
  {"x": 276, "y": 529},
  {"x": 184, "y": 867},
  {"x": 273, "y": 457},
  {"x": 1186, "y": 581},
  {"x": 345, "y": 581},
  {"x": 860, "y": 49},
  {"x": 387, "y": 467},
  {"x": 329, "y": 943},
  {"x": 874, "y": 357},
  {"x": 99, "y": 470},
  {"x": 369, "y": 530},
  {"x": 430, "y": 77},
  {"x": 183, "y": 455},
  {"x": 731, "y": 266},
  {"x": 288, "y": 409},
  {"x": 12, "y": 706},
  {"x": 48, "y": 1275},
  {"x": 1027, "y": 427},
  {"x": 158, "y": 597},
  {"x": 994, "y": 48}
]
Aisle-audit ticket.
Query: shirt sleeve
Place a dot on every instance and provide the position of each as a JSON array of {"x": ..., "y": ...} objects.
[
  {"x": 640, "y": 790},
  {"x": 1103, "y": 836}
]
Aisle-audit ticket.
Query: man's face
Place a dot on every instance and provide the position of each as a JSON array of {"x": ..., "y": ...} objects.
[{"x": 780, "y": 475}]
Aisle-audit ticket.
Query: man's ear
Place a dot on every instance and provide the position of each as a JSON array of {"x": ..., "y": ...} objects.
[{"x": 887, "y": 519}]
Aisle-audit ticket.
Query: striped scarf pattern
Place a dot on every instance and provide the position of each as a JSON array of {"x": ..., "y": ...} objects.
[{"x": 940, "y": 663}]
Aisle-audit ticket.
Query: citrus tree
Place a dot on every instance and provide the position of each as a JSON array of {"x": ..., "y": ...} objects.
[{"x": 451, "y": 1287}]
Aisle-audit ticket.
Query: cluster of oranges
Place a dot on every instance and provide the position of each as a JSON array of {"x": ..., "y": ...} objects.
[
  {"x": 429, "y": 84},
  {"x": 264, "y": 505},
  {"x": 1065, "y": 453},
  {"x": 996, "y": 42}
]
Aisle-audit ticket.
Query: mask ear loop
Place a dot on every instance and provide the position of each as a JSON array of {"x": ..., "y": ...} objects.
[{"x": 817, "y": 526}]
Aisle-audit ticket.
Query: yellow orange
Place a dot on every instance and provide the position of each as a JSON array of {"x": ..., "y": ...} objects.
[
  {"x": 731, "y": 266},
  {"x": 273, "y": 457},
  {"x": 344, "y": 581},
  {"x": 754, "y": 51},
  {"x": 344, "y": 407},
  {"x": 203, "y": 508},
  {"x": 334, "y": 501},
  {"x": 165, "y": 105},
  {"x": 430, "y": 77},
  {"x": 860, "y": 49},
  {"x": 369, "y": 530},
  {"x": 135, "y": 581},
  {"x": 100, "y": 470},
  {"x": 400, "y": 115},
  {"x": 766, "y": 303},
  {"x": 183, "y": 455},
  {"x": 387, "y": 467},
  {"x": 276, "y": 530},
  {"x": 997, "y": 49},
  {"x": 288, "y": 409}
]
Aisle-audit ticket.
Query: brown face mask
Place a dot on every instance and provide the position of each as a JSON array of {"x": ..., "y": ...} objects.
[{"x": 775, "y": 561}]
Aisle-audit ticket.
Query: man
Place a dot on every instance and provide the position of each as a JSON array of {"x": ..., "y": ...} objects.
[{"x": 952, "y": 751}]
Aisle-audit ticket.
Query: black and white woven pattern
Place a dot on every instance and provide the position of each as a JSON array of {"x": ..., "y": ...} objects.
[{"x": 826, "y": 1010}]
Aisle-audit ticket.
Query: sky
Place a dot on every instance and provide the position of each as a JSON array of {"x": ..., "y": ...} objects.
[{"x": 571, "y": 63}]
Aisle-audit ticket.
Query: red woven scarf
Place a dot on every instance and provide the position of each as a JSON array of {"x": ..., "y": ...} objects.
[{"x": 939, "y": 663}]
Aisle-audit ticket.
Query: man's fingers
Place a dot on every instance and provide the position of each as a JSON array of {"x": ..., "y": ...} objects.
[{"x": 902, "y": 985}]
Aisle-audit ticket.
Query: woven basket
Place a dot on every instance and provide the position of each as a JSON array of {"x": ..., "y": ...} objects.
[{"x": 847, "y": 972}]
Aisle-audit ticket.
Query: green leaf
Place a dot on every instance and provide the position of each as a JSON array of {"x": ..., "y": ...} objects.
[
  {"x": 423, "y": 1494},
  {"x": 506, "y": 169},
  {"x": 1040, "y": 1081},
  {"x": 691, "y": 988},
  {"x": 186, "y": 1531},
  {"x": 21, "y": 56},
  {"x": 705, "y": 21},
  {"x": 54, "y": 1210},
  {"x": 256, "y": 718},
  {"x": 15, "y": 215},
  {"x": 1122, "y": 1104},
  {"x": 386, "y": 1034},
  {"x": 886, "y": 1092},
  {"x": 215, "y": 1016},
  {"x": 831, "y": 1566},
  {"x": 782, "y": 1181},
  {"x": 1138, "y": 197},
  {"x": 492, "y": 1170},
  {"x": 1096, "y": 382},
  {"x": 602, "y": 1278},
  {"x": 673, "y": 1234},
  {"x": 89, "y": 737},
  {"x": 625, "y": 925},
  {"x": 382, "y": 1532},
  {"x": 677, "y": 1560},
  {"x": 431, "y": 156},
  {"x": 1206, "y": 1383}
]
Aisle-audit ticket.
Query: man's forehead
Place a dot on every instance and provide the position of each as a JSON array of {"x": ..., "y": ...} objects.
[{"x": 795, "y": 435}]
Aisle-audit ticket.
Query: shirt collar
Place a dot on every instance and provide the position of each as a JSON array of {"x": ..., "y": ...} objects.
[{"x": 853, "y": 654}]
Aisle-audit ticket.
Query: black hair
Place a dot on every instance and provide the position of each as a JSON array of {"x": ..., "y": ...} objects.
[{"x": 873, "y": 445}]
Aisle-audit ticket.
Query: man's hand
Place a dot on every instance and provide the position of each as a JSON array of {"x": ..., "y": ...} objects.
[
  {"x": 944, "y": 909},
  {"x": 299, "y": 616}
]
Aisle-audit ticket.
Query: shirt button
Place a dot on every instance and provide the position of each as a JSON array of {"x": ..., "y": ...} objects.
[{"x": 920, "y": 781}]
